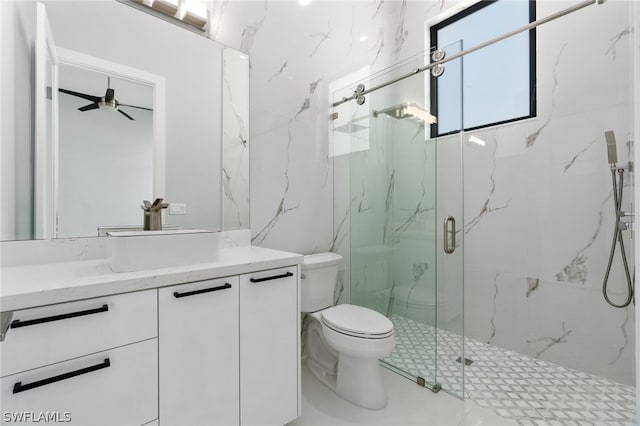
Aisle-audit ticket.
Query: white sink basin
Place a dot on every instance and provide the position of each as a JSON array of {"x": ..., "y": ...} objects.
[{"x": 139, "y": 250}]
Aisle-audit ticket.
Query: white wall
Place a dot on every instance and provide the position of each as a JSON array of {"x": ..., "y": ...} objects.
[
  {"x": 106, "y": 167},
  {"x": 17, "y": 33}
]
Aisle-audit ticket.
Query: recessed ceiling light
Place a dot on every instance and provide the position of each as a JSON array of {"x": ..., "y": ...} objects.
[
  {"x": 304, "y": 2},
  {"x": 363, "y": 38}
]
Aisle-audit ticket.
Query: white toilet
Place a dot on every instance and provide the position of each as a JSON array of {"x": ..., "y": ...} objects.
[{"x": 344, "y": 342}]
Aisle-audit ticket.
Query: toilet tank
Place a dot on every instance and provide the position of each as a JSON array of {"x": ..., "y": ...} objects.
[{"x": 319, "y": 273}]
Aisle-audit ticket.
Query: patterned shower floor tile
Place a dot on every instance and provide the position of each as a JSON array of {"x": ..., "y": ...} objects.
[{"x": 513, "y": 385}]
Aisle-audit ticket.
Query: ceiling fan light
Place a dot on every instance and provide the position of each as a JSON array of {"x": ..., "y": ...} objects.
[{"x": 108, "y": 105}]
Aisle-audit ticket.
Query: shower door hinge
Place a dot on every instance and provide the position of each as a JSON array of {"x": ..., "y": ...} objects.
[
  {"x": 422, "y": 382},
  {"x": 333, "y": 116}
]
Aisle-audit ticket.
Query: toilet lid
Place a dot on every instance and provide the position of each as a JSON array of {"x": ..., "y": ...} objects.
[{"x": 357, "y": 321}]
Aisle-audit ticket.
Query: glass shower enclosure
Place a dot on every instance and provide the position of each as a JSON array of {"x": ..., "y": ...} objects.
[{"x": 399, "y": 215}]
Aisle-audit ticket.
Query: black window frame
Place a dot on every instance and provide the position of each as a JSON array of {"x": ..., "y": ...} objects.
[{"x": 433, "y": 84}]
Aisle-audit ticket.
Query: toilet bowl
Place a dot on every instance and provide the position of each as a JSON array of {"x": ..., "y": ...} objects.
[{"x": 344, "y": 342}]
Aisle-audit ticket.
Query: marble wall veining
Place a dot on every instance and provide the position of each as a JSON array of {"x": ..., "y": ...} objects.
[
  {"x": 538, "y": 213},
  {"x": 295, "y": 53},
  {"x": 235, "y": 140}
]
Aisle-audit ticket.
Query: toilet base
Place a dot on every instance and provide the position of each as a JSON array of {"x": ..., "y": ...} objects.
[
  {"x": 360, "y": 382},
  {"x": 357, "y": 379}
]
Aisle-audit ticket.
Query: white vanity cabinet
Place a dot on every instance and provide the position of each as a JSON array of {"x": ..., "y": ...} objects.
[
  {"x": 269, "y": 355},
  {"x": 139, "y": 349},
  {"x": 199, "y": 353},
  {"x": 92, "y": 361},
  {"x": 229, "y": 350}
]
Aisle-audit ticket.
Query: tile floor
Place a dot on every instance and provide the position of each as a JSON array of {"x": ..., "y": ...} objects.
[
  {"x": 409, "y": 404},
  {"x": 514, "y": 386}
]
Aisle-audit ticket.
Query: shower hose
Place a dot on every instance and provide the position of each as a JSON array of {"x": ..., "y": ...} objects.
[{"x": 617, "y": 238}]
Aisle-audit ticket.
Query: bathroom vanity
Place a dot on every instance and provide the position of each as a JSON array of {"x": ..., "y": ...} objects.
[{"x": 211, "y": 343}]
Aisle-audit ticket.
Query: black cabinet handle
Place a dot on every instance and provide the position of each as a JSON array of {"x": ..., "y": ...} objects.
[
  {"x": 275, "y": 277},
  {"x": 19, "y": 387},
  {"x": 18, "y": 323},
  {"x": 204, "y": 290}
]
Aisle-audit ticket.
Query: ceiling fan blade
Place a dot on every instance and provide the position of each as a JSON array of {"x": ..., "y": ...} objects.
[
  {"x": 125, "y": 114},
  {"x": 80, "y": 95},
  {"x": 89, "y": 107},
  {"x": 133, "y": 106},
  {"x": 109, "y": 95}
]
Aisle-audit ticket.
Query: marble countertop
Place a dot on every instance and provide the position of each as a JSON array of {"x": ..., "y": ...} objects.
[{"x": 27, "y": 286}]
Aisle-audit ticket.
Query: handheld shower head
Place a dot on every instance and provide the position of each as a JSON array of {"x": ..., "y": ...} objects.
[{"x": 612, "y": 152}]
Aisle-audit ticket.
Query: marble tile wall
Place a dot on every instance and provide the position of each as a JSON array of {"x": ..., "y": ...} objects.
[
  {"x": 537, "y": 204},
  {"x": 235, "y": 139},
  {"x": 295, "y": 53},
  {"x": 539, "y": 213}
]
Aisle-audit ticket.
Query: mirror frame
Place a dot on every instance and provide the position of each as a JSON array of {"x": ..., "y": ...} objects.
[{"x": 45, "y": 132}]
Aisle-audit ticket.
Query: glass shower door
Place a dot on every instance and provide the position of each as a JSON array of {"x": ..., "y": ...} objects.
[
  {"x": 447, "y": 97},
  {"x": 393, "y": 221},
  {"x": 388, "y": 175}
]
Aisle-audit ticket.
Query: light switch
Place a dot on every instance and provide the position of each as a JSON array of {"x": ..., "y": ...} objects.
[{"x": 177, "y": 208}]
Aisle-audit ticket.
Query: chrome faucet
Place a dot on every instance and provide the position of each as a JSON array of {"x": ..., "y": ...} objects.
[{"x": 153, "y": 214}]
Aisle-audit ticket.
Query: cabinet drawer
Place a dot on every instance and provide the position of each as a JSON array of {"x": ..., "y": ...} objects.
[
  {"x": 114, "y": 387},
  {"x": 42, "y": 336}
]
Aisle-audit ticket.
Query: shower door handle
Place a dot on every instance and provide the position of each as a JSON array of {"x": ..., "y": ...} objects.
[{"x": 449, "y": 220}]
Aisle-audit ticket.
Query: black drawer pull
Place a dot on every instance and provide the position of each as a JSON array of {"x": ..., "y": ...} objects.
[
  {"x": 204, "y": 290},
  {"x": 18, "y": 323},
  {"x": 275, "y": 277},
  {"x": 19, "y": 387}
]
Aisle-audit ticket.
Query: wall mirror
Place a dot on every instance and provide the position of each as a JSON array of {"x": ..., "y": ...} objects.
[
  {"x": 72, "y": 170},
  {"x": 110, "y": 136}
]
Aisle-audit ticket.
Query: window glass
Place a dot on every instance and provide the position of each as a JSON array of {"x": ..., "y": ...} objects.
[{"x": 497, "y": 81}]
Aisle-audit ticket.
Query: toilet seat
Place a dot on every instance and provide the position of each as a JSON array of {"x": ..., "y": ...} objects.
[{"x": 357, "y": 321}]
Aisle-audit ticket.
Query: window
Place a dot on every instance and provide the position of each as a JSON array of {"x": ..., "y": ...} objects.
[{"x": 497, "y": 83}]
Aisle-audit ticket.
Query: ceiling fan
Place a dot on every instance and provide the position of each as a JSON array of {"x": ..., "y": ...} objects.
[{"x": 108, "y": 101}]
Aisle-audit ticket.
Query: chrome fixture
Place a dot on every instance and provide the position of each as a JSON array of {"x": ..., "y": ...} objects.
[
  {"x": 612, "y": 152},
  {"x": 446, "y": 231},
  {"x": 437, "y": 56},
  {"x": 107, "y": 102},
  {"x": 437, "y": 70},
  {"x": 358, "y": 93},
  {"x": 620, "y": 223},
  {"x": 407, "y": 110},
  {"x": 482, "y": 45},
  {"x": 153, "y": 214}
]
